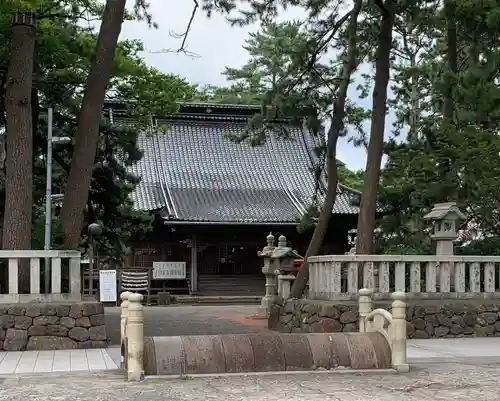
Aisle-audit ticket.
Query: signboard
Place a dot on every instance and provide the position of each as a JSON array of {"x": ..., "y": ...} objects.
[
  {"x": 169, "y": 270},
  {"x": 107, "y": 286}
]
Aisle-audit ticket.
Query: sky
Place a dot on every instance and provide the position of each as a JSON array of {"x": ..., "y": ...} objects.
[{"x": 216, "y": 44}]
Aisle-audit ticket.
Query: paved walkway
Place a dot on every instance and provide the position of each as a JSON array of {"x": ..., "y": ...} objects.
[
  {"x": 182, "y": 320},
  {"x": 441, "y": 382},
  {"x": 90, "y": 360}
]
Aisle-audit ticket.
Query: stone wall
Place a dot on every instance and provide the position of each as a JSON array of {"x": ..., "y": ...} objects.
[
  {"x": 425, "y": 320},
  {"x": 52, "y": 326}
]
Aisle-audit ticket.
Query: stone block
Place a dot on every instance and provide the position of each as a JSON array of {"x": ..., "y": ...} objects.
[
  {"x": 339, "y": 349},
  {"x": 238, "y": 353},
  {"x": 349, "y": 317},
  {"x": 57, "y": 330},
  {"x": 382, "y": 350},
  {"x": 15, "y": 340},
  {"x": 50, "y": 343},
  {"x": 164, "y": 356},
  {"x": 268, "y": 352},
  {"x": 98, "y": 333},
  {"x": 79, "y": 334},
  {"x": 89, "y": 344},
  {"x": 23, "y": 322},
  {"x": 34, "y": 310},
  {"x": 350, "y": 328},
  {"x": 298, "y": 355},
  {"x": 97, "y": 320},
  {"x": 37, "y": 331},
  {"x": 83, "y": 321},
  {"x": 361, "y": 351},
  {"x": 329, "y": 311},
  {"x": 204, "y": 354},
  {"x": 45, "y": 320},
  {"x": 17, "y": 310},
  {"x": 320, "y": 345},
  {"x": 76, "y": 311},
  {"x": 330, "y": 325},
  {"x": 7, "y": 321},
  {"x": 63, "y": 310},
  {"x": 92, "y": 308},
  {"x": 49, "y": 310},
  {"x": 67, "y": 322},
  {"x": 2, "y": 334}
]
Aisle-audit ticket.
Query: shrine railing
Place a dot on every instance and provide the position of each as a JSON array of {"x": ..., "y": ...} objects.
[
  {"x": 339, "y": 277},
  {"x": 64, "y": 277}
]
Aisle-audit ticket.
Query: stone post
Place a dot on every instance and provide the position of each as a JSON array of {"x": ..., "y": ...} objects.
[
  {"x": 135, "y": 338},
  {"x": 123, "y": 324},
  {"x": 269, "y": 272},
  {"x": 398, "y": 333},
  {"x": 365, "y": 307},
  {"x": 285, "y": 285}
]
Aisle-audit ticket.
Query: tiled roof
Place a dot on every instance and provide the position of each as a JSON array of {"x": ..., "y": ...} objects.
[{"x": 194, "y": 173}]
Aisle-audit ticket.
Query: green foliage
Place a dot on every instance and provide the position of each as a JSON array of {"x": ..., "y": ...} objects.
[
  {"x": 64, "y": 52},
  {"x": 350, "y": 178},
  {"x": 445, "y": 160}
]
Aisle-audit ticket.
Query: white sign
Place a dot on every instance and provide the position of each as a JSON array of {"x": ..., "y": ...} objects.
[
  {"x": 107, "y": 285},
  {"x": 169, "y": 270}
]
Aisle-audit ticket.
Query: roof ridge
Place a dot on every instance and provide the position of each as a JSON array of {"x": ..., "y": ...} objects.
[
  {"x": 284, "y": 182},
  {"x": 169, "y": 203}
]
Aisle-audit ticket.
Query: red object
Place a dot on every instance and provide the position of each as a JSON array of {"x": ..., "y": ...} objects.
[{"x": 297, "y": 263}]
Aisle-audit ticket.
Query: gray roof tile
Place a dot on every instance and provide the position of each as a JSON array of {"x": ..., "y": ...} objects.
[
  {"x": 193, "y": 172},
  {"x": 196, "y": 173}
]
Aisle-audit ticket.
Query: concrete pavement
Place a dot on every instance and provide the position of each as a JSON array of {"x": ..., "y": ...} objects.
[
  {"x": 179, "y": 320},
  {"x": 445, "y": 382}
]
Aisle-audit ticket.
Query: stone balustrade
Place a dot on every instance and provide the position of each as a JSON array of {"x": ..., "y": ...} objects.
[
  {"x": 337, "y": 277},
  {"x": 57, "y": 258}
]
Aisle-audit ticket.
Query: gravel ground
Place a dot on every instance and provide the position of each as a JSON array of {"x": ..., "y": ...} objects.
[
  {"x": 447, "y": 381},
  {"x": 189, "y": 320}
]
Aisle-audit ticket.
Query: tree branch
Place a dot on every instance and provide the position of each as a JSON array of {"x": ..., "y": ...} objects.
[{"x": 184, "y": 35}]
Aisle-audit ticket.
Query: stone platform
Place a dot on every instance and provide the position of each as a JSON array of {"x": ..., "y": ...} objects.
[{"x": 52, "y": 326}]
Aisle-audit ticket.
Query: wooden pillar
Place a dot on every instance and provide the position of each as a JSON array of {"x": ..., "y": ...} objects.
[{"x": 194, "y": 265}]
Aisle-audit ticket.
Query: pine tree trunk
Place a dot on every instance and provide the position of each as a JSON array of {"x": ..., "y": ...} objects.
[
  {"x": 366, "y": 219},
  {"x": 19, "y": 144},
  {"x": 302, "y": 278},
  {"x": 87, "y": 133}
]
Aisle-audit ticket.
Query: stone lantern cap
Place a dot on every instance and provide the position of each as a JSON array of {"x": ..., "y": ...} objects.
[
  {"x": 442, "y": 211},
  {"x": 285, "y": 252},
  {"x": 445, "y": 219}
]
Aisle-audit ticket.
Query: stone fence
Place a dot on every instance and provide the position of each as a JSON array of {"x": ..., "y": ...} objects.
[
  {"x": 52, "y": 326},
  {"x": 58, "y": 260},
  {"x": 335, "y": 277}
]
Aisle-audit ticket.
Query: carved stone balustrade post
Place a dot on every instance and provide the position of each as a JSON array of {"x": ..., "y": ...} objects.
[
  {"x": 398, "y": 333},
  {"x": 123, "y": 324},
  {"x": 135, "y": 338},
  {"x": 365, "y": 307}
]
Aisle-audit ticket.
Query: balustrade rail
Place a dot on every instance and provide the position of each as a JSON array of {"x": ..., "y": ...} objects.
[
  {"x": 10, "y": 262},
  {"x": 337, "y": 277}
]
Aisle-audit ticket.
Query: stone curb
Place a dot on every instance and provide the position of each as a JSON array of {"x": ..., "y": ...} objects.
[{"x": 264, "y": 352}]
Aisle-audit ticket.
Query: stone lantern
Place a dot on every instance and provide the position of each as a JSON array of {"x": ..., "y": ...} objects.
[
  {"x": 446, "y": 219},
  {"x": 278, "y": 270}
]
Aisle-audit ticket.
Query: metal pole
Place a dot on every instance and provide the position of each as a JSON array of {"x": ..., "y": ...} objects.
[
  {"x": 91, "y": 265},
  {"x": 48, "y": 201}
]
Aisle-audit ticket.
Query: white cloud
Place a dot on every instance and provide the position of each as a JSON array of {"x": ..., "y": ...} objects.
[{"x": 217, "y": 44}]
